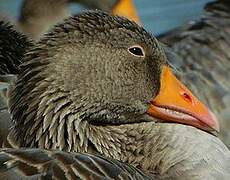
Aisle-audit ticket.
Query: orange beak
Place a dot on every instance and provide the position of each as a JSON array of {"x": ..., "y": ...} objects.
[
  {"x": 126, "y": 8},
  {"x": 175, "y": 103}
]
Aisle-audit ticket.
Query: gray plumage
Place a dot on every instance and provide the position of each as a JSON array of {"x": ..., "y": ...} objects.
[{"x": 165, "y": 151}]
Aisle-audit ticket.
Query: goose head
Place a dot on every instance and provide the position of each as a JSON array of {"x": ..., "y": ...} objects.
[{"x": 99, "y": 83}]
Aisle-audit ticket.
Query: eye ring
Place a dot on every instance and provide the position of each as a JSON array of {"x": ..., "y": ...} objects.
[{"x": 137, "y": 51}]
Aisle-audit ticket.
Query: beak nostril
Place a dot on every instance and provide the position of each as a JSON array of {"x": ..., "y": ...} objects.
[{"x": 186, "y": 97}]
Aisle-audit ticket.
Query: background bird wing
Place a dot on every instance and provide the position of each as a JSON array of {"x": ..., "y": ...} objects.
[{"x": 200, "y": 52}]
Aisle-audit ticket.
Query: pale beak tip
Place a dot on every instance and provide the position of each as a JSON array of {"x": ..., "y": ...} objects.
[{"x": 215, "y": 125}]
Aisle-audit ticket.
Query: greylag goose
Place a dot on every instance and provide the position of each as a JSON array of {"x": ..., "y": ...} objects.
[
  {"x": 202, "y": 55},
  {"x": 100, "y": 84},
  {"x": 37, "y": 16}
]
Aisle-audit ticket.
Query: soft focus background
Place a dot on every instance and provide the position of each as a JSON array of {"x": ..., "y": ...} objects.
[{"x": 158, "y": 16}]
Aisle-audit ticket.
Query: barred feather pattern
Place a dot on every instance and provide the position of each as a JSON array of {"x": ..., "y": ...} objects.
[{"x": 59, "y": 165}]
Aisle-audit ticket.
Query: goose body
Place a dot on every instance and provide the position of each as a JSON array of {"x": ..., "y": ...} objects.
[
  {"x": 100, "y": 84},
  {"x": 203, "y": 58},
  {"x": 178, "y": 152}
]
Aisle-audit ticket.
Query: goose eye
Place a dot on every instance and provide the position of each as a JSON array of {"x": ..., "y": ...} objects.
[{"x": 136, "y": 51}]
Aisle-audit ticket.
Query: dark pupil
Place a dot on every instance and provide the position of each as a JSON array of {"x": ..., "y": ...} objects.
[{"x": 137, "y": 51}]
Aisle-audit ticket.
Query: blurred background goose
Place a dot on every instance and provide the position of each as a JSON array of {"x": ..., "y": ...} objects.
[
  {"x": 201, "y": 53},
  {"x": 117, "y": 104},
  {"x": 37, "y": 16}
]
